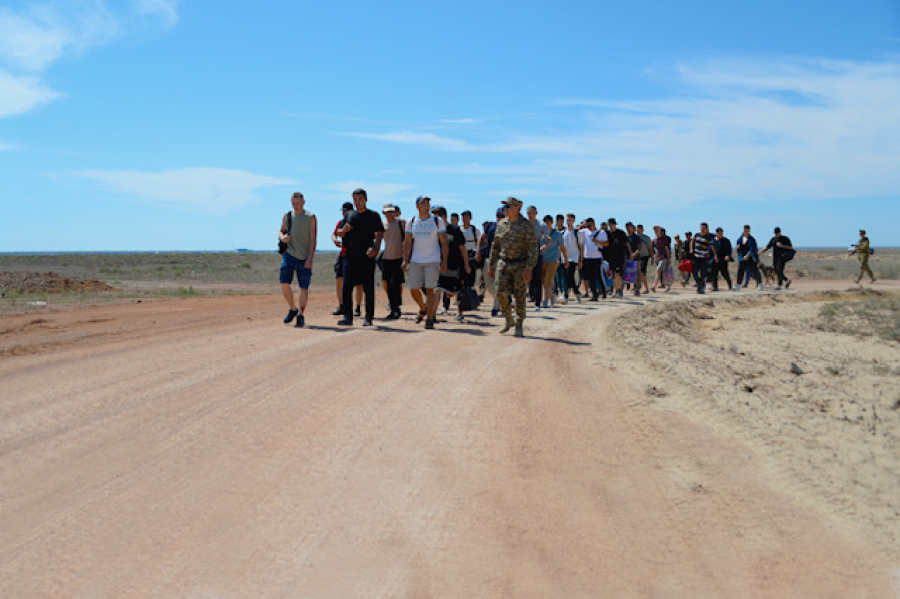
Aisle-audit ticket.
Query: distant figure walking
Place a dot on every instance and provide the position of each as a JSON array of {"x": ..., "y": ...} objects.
[
  {"x": 782, "y": 253},
  {"x": 723, "y": 258},
  {"x": 704, "y": 253},
  {"x": 863, "y": 251},
  {"x": 748, "y": 261},
  {"x": 298, "y": 231}
]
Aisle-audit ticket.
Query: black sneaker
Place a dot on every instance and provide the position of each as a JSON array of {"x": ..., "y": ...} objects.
[
  {"x": 358, "y": 312},
  {"x": 301, "y": 322},
  {"x": 291, "y": 315},
  {"x": 429, "y": 324},
  {"x": 338, "y": 312},
  {"x": 367, "y": 323},
  {"x": 345, "y": 322}
]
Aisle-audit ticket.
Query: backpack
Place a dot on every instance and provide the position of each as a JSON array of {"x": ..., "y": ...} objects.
[
  {"x": 469, "y": 299},
  {"x": 282, "y": 246}
]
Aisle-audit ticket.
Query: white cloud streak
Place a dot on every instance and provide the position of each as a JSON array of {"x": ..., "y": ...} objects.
[
  {"x": 419, "y": 138},
  {"x": 200, "y": 189},
  {"x": 741, "y": 130}
]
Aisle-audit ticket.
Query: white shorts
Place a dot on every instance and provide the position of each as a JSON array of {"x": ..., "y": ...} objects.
[
  {"x": 423, "y": 274},
  {"x": 662, "y": 265}
]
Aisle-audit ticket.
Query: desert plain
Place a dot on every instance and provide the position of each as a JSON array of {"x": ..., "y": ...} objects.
[{"x": 172, "y": 437}]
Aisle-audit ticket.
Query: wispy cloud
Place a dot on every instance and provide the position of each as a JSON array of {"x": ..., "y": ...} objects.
[
  {"x": 417, "y": 138},
  {"x": 743, "y": 130},
  {"x": 41, "y": 33},
  {"x": 166, "y": 10},
  {"x": 19, "y": 95},
  {"x": 203, "y": 189}
]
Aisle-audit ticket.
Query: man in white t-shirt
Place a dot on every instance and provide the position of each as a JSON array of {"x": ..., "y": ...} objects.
[
  {"x": 592, "y": 240},
  {"x": 471, "y": 235},
  {"x": 425, "y": 253},
  {"x": 574, "y": 252}
]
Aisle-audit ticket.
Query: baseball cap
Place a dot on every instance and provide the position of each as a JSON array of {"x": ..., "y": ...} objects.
[
  {"x": 511, "y": 201},
  {"x": 388, "y": 207},
  {"x": 347, "y": 206},
  {"x": 501, "y": 211},
  {"x": 612, "y": 221},
  {"x": 421, "y": 199}
]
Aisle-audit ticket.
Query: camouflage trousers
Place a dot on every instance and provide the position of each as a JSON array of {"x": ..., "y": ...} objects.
[
  {"x": 508, "y": 282},
  {"x": 864, "y": 267}
]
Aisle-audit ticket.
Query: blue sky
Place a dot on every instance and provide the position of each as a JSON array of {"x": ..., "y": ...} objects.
[{"x": 166, "y": 125}]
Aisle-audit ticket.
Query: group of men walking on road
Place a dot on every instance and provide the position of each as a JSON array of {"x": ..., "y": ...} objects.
[{"x": 521, "y": 260}]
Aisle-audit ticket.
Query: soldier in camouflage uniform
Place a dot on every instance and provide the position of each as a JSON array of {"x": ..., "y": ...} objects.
[{"x": 513, "y": 256}]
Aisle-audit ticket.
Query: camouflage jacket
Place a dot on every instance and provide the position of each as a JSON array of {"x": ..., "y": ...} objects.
[{"x": 515, "y": 243}]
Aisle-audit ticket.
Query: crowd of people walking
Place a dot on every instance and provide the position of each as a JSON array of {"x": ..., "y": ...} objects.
[{"x": 518, "y": 259}]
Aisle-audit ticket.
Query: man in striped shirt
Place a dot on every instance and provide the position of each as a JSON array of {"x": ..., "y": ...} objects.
[{"x": 703, "y": 250}]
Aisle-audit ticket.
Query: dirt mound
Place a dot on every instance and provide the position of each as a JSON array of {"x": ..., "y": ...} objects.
[{"x": 46, "y": 282}]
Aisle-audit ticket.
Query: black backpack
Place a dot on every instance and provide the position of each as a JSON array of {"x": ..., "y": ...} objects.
[{"x": 282, "y": 246}]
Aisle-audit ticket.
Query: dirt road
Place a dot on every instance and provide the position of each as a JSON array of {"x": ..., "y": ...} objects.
[{"x": 201, "y": 448}]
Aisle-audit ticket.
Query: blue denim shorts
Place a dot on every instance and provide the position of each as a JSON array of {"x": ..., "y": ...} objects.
[{"x": 290, "y": 265}]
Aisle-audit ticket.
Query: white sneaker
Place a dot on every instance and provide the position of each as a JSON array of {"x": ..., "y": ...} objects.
[
  {"x": 563, "y": 301},
  {"x": 760, "y": 287}
]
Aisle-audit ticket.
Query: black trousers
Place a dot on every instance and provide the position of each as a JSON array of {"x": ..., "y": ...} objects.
[
  {"x": 748, "y": 265},
  {"x": 571, "y": 269},
  {"x": 392, "y": 273},
  {"x": 716, "y": 268},
  {"x": 593, "y": 275},
  {"x": 778, "y": 264},
  {"x": 359, "y": 271},
  {"x": 536, "y": 287},
  {"x": 701, "y": 272}
]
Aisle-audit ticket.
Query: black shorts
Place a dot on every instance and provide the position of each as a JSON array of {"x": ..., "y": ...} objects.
[
  {"x": 339, "y": 268},
  {"x": 644, "y": 262},
  {"x": 617, "y": 267}
]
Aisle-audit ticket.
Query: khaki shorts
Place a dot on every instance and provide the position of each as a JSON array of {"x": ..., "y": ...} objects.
[{"x": 423, "y": 274}]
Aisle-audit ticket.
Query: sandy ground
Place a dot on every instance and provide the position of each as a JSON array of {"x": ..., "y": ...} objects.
[{"x": 200, "y": 448}]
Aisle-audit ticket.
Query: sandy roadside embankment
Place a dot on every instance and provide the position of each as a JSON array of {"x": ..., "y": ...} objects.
[
  {"x": 199, "y": 447},
  {"x": 822, "y": 406}
]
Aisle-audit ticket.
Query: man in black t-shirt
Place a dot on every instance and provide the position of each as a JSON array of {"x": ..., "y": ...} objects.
[
  {"x": 616, "y": 253},
  {"x": 361, "y": 236},
  {"x": 782, "y": 252}
]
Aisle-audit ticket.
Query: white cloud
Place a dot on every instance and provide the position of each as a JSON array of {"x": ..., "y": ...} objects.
[
  {"x": 21, "y": 94},
  {"x": 739, "y": 130},
  {"x": 205, "y": 189},
  {"x": 417, "y": 138},
  {"x": 42, "y": 33},
  {"x": 167, "y": 10}
]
